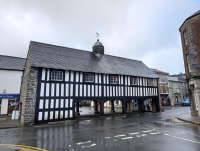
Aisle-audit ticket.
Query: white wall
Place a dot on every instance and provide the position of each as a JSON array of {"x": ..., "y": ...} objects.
[
  {"x": 4, "y": 106},
  {"x": 11, "y": 81}
]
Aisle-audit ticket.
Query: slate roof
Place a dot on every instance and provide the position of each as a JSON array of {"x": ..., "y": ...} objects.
[
  {"x": 156, "y": 70},
  {"x": 197, "y": 13},
  {"x": 57, "y": 57},
  {"x": 11, "y": 63},
  {"x": 175, "y": 79}
]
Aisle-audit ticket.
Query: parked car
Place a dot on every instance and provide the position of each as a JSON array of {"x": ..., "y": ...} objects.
[{"x": 186, "y": 102}]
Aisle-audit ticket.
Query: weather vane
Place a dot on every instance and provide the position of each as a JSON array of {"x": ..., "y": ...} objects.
[{"x": 98, "y": 35}]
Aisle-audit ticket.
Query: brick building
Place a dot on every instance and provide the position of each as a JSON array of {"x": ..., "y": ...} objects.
[
  {"x": 163, "y": 86},
  {"x": 190, "y": 37}
]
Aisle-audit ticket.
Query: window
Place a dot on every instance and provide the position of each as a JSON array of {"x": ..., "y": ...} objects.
[
  {"x": 188, "y": 63},
  {"x": 133, "y": 81},
  {"x": 166, "y": 89},
  {"x": 89, "y": 77},
  {"x": 185, "y": 37},
  {"x": 56, "y": 75},
  {"x": 150, "y": 82},
  {"x": 113, "y": 79}
]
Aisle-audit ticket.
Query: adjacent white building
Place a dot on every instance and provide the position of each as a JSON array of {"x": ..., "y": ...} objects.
[{"x": 11, "y": 69}]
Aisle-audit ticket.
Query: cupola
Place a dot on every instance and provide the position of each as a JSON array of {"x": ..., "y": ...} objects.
[{"x": 98, "y": 48}]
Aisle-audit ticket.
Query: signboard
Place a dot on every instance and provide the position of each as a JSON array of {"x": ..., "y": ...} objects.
[{"x": 8, "y": 96}]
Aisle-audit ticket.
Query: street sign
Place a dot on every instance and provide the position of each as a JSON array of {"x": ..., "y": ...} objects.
[{"x": 8, "y": 96}]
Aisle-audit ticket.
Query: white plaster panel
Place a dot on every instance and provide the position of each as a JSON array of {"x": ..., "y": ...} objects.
[
  {"x": 66, "y": 113},
  {"x": 45, "y": 115},
  {"x": 77, "y": 76},
  {"x": 88, "y": 90},
  {"x": 96, "y": 90},
  {"x": 42, "y": 89},
  {"x": 99, "y": 91},
  {"x": 57, "y": 89},
  {"x": 81, "y": 76},
  {"x": 125, "y": 80},
  {"x": 117, "y": 90},
  {"x": 107, "y": 79},
  {"x": 52, "y": 89},
  {"x": 122, "y": 91},
  {"x": 56, "y": 114},
  {"x": 71, "y": 89},
  {"x": 62, "y": 90},
  {"x": 57, "y": 103},
  {"x": 61, "y": 114},
  {"x": 128, "y": 80},
  {"x": 104, "y": 79},
  {"x": 104, "y": 90},
  {"x": 41, "y": 104},
  {"x": 84, "y": 90},
  {"x": 110, "y": 91},
  {"x": 47, "y": 89},
  {"x": 121, "y": 79},
  {"x": 46, "y": 103},
  {"x": 96, "y": 78},
  {"x": 80, "y": 90},
  {"x": 51, "y": 115},
  {"x": 71, "y": 102},
  {"x": 92, "y": 90},
  {"x": 113, "y": 90},
  {"x": 48, "y": 72},
  {"x": 67, "y": 90},
  {"x": 125, "y": 90},
  {"x": 131, "y": 90},
  {"x": 43, "y": 73},
  {"x": 72, "y": 76},
  {"x": 76, "y": 89},
  {"x": 52, "y": 103},
  {"x": 40, "y": 116},
  {"x": 70, "y": 114},
  {"x": 66, "y": 103},
  {"x": 99, "y": 78},
  {"x": 66, "y": 75}
]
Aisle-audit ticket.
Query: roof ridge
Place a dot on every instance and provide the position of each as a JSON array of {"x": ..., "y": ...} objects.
[
  {"x": 12, "y": 56},
  {"x": 83, "y": 50}
]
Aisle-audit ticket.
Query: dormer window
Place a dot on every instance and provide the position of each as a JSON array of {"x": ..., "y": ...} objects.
[
  {"x": 133, "y": 81},
  {"x": 150, "y": 82},
  {"x": 113, "y": 79},
  {"x": 56, "y": 75},
  {"x": 89, "y": 77}
]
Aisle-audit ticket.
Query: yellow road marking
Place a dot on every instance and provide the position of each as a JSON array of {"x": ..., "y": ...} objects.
[
  {"x": 177, "y": 120},
  {"x": 23, "y": 147}
]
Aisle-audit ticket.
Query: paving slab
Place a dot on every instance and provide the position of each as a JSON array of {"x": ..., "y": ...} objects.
[
  {"x": 7, "y": 122},
  {"x": 189, "y": 118}
]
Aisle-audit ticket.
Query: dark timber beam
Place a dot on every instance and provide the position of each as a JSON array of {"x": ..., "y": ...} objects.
[
  {"x": 77, "y": 109},
  {"x": 142, "y": 106},
  {"x": 112, "y": 107},
  {"x": 102, "y": 109},
  {"x": 96, "y": 107}
]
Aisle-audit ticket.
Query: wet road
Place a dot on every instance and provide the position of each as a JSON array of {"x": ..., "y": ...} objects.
[{"x": 145, "y": 132}]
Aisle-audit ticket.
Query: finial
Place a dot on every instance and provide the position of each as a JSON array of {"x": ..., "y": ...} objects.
[{"x": 98, "y": 35}]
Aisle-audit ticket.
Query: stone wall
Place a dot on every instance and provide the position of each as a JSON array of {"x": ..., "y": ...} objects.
[{"x": 28, "y": 93}]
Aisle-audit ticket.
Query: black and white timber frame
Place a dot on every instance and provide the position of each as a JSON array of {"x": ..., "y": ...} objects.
[{"x": 56, "y": 99}]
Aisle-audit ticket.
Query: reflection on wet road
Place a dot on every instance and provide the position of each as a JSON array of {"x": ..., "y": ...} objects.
[{"x": 148, "y": 131}]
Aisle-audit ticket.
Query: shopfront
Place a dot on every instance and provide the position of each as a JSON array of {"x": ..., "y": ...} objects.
[{"x": 8, "y": 103}]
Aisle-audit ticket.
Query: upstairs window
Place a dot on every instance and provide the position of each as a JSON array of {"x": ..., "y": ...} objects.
[
  {"x": 89, "y": 77},
  {"x": 56, "y": 75},
  {"x": 150, "y": 82},
  {"x": 185, "y": 38},
  {"x": 133, "y": 81},
  {"x": 113, "y": 79}
]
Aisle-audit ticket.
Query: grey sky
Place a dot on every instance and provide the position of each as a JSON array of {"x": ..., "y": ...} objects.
[{"x": 145, "y": 30}]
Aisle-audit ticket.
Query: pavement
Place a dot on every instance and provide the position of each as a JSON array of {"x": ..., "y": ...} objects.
[
  {"x": 7, "y": 122},
  {"x": 187, "y": 117}
]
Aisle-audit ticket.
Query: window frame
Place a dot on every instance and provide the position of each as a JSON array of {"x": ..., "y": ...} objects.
[
  {"x": 148, "y": 82},
  {"x": 185, "y": 37},
  {"x": 60, "y": 71},
  {"x": 133, "y": 82},
  {"x": 110, "y": 79},
  {"x": 87, "y": 73}
]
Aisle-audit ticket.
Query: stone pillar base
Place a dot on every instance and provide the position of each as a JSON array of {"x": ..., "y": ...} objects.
[
  {"x": 77, "y": 113},
  {"x": 112, "y": 111},
  {"x": 96, "y": 112}
]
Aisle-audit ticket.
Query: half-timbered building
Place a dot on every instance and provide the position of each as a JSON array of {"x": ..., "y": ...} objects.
[{"x": 56, "y": 78}]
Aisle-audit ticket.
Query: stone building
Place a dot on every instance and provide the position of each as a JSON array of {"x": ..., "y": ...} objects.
[
  {"x": 177, "y": 90},
  {"x": 190, "y": 38},
  {"x": 57, "y": 78},
  {"x": 11, "y": 69},
  {"x": 163, "y": 86}
]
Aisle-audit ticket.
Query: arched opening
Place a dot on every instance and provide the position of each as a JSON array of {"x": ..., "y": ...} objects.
[
  {"x": 112, "y": 106},
  {"x": 148, "y": 105}
]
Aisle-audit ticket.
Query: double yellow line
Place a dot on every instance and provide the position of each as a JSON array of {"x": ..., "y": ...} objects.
[
  {"x": 175, "y": 119},
  {"x": 24, "y": 148}
]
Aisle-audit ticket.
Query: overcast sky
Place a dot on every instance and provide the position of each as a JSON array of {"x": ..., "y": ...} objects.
[{"x": 145, "y": 30}]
